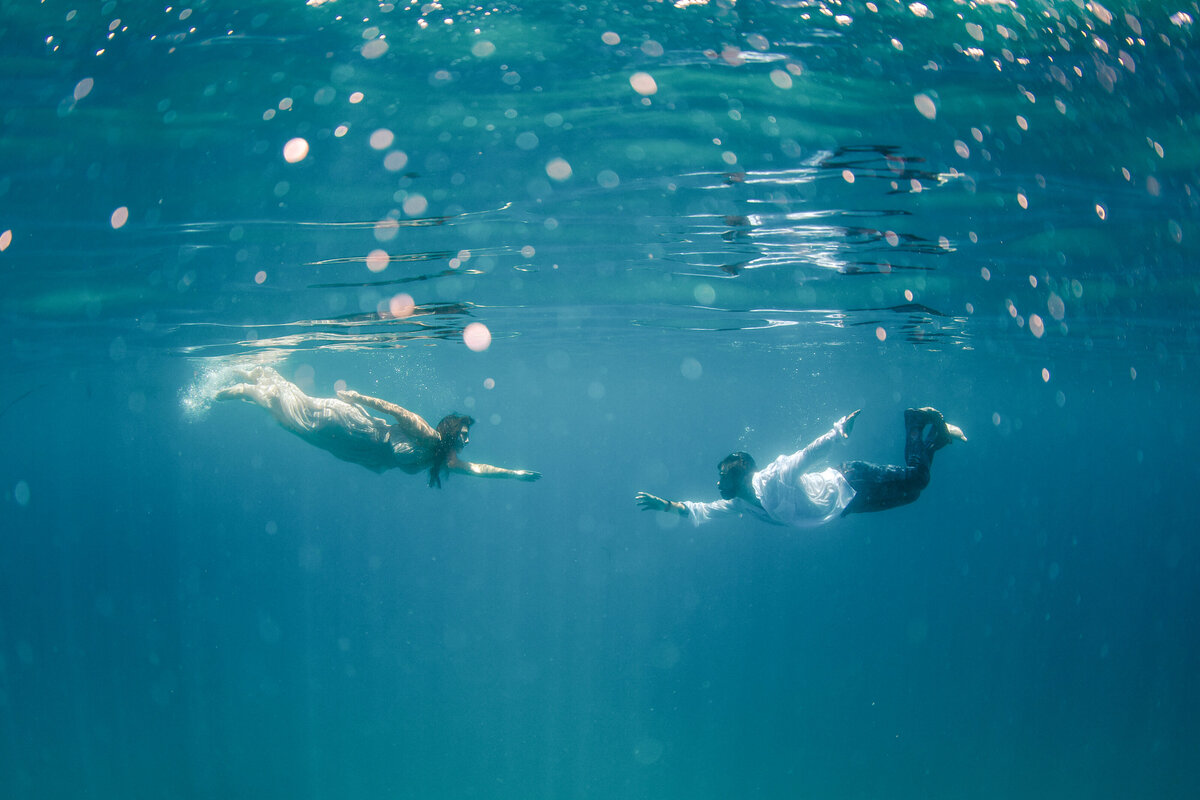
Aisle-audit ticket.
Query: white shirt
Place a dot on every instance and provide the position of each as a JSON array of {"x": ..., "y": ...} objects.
[{"x": 788, "y": 494}]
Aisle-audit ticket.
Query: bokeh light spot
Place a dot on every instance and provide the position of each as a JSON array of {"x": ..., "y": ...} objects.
[
  {"x": 382, "y": 139},
  {"x": 415, "y": 204},
  {"x": 295, "y": 150},
  {"x": 558, "y": 169},
  {"x": 377, "y": 260},
  {"x": 401, "y": 305},
  {"x": 386, "y": 230},
  {"x": 119, "y": 217},
  {"x": 395, "y": 161},
  {"x": 925, "y": 105},
  {"x": 1036, "y": 326},
  {"x": 643, "y": 83},
  {"x": 374, "y": 48},
  {"x": 477, "y": 337}
]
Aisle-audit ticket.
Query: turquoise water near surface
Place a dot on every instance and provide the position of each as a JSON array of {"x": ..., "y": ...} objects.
[{"x": 688, "y": 229}]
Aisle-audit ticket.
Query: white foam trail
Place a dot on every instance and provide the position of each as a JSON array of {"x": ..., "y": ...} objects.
[{"x": 196, "y": 399}]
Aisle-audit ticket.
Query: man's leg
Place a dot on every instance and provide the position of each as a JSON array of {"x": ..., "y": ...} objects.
[{"x": 878, "y": 488}]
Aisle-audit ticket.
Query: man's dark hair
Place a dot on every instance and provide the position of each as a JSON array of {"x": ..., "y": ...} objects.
[
  {"x": 448, "y": 430},
  {"x": 734, "y": 469}
]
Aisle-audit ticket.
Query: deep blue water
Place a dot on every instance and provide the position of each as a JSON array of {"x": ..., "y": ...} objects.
[{"x": 814, "y": 207}]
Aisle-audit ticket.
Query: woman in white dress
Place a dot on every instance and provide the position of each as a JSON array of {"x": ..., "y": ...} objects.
[{"x": 343, "y": 426}]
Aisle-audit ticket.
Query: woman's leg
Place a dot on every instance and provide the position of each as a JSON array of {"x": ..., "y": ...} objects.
[{"x": 290, "y": 406}]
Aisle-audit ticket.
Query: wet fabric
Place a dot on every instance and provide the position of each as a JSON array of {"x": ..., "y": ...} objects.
[
  {"x": 791, "y": 492},
  {"x": 344, "y": 429}
]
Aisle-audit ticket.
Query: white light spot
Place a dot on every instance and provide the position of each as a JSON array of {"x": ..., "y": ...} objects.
[
  {"x": 781, "y": 79},
  {"x": 5, "y": 240},
  {"x": 558, "y": 169},
  {"x": 260, "y": 277},
  {"x": 482, "y": 49},
  {"x": 610, "y": 38},
  {"x": 295, "y": 150},
  {"x": 691, "y": 369},
  {"x": 382, "y": 139},
  {"x": 377, "y": 260},
  {"x": 880, "y": 334},
  {"x": 401, "y": 306},
  {"x": 477, "y": 337},
  {"x": 643, "y": 83},
  {"x": 83, "y": 88},
  {"x": 1037, "y": 328},
  {"x": 395, "y": 161},
  {"x": 925, "y": 105},
  {"x": 415, "y": 204},
  {"x": 374, "y": 48},
  {"x": 21, "y": 493},
  {"x": 1045, "y": 375},
  {"x": 847, "y": 176},
  {"x": 386, "y": 230},
  {"x": 119, "y": 217},
  {"x": 489, "y": 383}
]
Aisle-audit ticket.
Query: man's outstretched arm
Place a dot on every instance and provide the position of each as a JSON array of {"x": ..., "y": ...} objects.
[
  {"x": 820, "y": 446},
  {"x": 649, "y": 502}
]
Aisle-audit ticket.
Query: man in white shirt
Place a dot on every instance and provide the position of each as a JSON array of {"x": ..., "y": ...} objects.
[{"x": 794, "y": 490}]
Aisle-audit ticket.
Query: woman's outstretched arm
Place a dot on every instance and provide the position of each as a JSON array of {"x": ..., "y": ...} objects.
[
  {"x": 488, "y": 471},
  {"x": 413, "y": 423}
]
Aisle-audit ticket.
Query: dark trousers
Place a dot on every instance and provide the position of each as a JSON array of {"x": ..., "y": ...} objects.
[{"x": 880, "y": 487}]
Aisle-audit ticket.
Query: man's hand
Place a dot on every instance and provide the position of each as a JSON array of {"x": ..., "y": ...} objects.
[
  {"x": 846, "y": 423},
  {"x": 649, "y": 502},
  {"x": 349, "y": 395}
]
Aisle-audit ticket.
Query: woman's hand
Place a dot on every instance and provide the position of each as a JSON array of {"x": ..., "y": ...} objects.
[
  {"x": 526, "y": 475},
  {"x": 349, "y": 395}
]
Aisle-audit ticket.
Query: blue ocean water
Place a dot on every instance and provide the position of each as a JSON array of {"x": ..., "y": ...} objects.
[{"x": 688, "y": 228}]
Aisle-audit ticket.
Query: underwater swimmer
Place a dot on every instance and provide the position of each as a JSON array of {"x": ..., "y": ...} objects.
[
  {"x": 789, "y": 491},
  {"x": 343, "y": 426}
]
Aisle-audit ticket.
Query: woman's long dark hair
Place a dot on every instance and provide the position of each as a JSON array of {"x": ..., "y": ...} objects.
[{"x": 448, "y": 430}]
